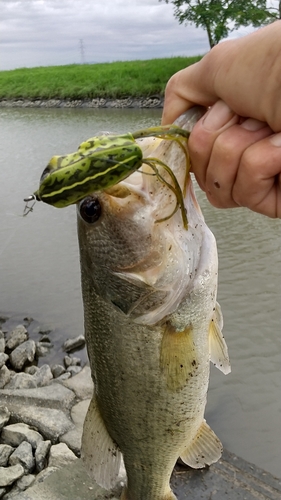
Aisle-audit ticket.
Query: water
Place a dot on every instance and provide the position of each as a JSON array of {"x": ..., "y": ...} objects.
[{"x": 39, "y": 272}]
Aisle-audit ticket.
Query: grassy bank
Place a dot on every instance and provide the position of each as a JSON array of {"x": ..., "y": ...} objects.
[{"x": 88, "y": 81}]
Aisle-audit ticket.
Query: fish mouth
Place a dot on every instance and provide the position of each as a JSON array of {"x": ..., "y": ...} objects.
[{"x": 155, "y": 184}]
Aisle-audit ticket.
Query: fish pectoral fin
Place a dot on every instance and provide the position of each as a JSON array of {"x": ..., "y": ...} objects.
[
  {"x": 218, "y": 348},
  {"x": 99, "y": 453},
  {"x": 205, "y": 449},
  {"x": 178, "y": 357}
]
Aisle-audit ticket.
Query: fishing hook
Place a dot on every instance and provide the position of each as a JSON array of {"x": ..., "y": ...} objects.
[{"x": 29, "y": 208}]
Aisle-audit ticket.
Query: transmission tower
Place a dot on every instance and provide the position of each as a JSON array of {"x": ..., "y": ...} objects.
[{"x": 82, "y": 50}]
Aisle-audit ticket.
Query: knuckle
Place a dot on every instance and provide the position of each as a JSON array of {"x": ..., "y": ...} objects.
[
  {"x": 249, "y": 161},
  {"x": 225, "y": 146},
  {"x": 198, "y": 143},
  {"x": 172, "y": 84}
]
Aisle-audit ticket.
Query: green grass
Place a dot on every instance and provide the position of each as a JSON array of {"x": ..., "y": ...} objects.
[{"x": 87, "y": 81}]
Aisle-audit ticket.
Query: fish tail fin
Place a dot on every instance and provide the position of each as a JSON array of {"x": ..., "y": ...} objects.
[
  {"x": 99, "y": 453},
  {"x": 205, "y": 449},
  {"x": 125, "y": 495}
]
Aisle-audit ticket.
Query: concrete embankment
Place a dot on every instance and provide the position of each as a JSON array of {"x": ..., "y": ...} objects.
[{"x": 231, "y": 478}]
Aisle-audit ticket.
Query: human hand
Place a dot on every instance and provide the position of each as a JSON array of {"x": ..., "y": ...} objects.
[
  {"x": 235, "y": 154},
  {"x": 237, "y": 162}
]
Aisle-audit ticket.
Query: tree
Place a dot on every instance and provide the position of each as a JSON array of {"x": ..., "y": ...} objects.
[{"x": 220, "y": 17}]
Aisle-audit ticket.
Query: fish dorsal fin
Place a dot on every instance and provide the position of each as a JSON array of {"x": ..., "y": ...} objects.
[
  {"x": 99, "y": 453},
  {"x": 218, "y": 348},
  {"x": 205, "y": 449}
]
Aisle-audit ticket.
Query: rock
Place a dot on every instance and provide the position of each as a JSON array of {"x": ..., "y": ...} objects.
[
  {"x": 21, "y": 381},
  {"x": 73, "y": 344},
  {"x": 50, "y": 423},
  {"x": 5, "y": 451},
  {"x": 63, "y": 377},
  {"x": 45, "y": 338},
  {"x": 4, "y": 416},
  {"x": 23, "y": 353},
  {"x": 60, "y": 455},
  {"x": 2, "y": 492},
  {"x": 41, "y": 455},
  {"x": 13, "y": 493},
  {"x": 43, "y": 376},
  {"x": 15, "y": 434},
  {"x": 24, "y": 482},
  {"x": 3, "y": 357},
  {"x": 23, "y": 456},
  {"x": 28, "y": 319},
  {"x": 74, "y": 370},
  {"x": 2, "y": 343},
  {"x": 16, "y": 337},
  {"x": 31, "y": 369},
  {"x": 4, "y": 376},
  {"x": 61, "y": 397},
  {"x": 81, "y": 384},
  {"x": 42, "y": 348},
  {"x": 71, "y": 361},
  {"x": 57, "y": 370},
  {"x": 44, "y": 331},
  {"x": 73, "y": 437},
  {"x": 44, "y": 474},
  {"x": 8, "y": 475}
]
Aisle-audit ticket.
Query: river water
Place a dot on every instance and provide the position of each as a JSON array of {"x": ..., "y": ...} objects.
[{"x": 39, "y": 273}]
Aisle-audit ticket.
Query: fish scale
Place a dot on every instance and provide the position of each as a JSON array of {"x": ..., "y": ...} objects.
[{"x": 119, "y": 386}]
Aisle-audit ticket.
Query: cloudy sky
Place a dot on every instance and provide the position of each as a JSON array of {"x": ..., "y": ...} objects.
[{"x": 58, "y": 32}]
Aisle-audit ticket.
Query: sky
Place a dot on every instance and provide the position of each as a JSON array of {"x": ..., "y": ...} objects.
[{"x": 59, "y": 32}]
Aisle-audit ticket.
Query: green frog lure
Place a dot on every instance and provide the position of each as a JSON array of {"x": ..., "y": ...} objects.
[{"x": 103, "y": 161}]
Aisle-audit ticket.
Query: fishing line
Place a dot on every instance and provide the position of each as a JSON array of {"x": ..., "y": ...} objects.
[
  {"x": 26, "y": 210},
  {"x": 9, "y": 240}
]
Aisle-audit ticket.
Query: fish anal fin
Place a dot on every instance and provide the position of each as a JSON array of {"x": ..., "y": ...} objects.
[
  {"x": 99, "y": 453},
  {"x": 205, "y": 449},
  {"x": 218, "y": 348},
  {"x": 178, "y": 360}
]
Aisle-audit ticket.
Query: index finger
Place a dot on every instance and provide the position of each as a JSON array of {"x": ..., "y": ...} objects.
[{"x": 183, "y": 93}]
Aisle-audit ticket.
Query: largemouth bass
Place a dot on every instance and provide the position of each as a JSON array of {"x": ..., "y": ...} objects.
[{"x": 152, "y": 325}]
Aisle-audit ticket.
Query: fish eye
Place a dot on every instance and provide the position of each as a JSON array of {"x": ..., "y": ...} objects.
[{"x": 90, "y": 209}]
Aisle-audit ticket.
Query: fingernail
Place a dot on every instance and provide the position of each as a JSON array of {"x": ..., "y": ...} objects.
[
  {"x": 253, "y": 125},
  {"x": 217, "y": 116},
  {"x": 276, "y": 139}
]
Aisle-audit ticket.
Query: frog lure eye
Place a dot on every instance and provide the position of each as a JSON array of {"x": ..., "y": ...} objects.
[{"x": 102, "y": 162}]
